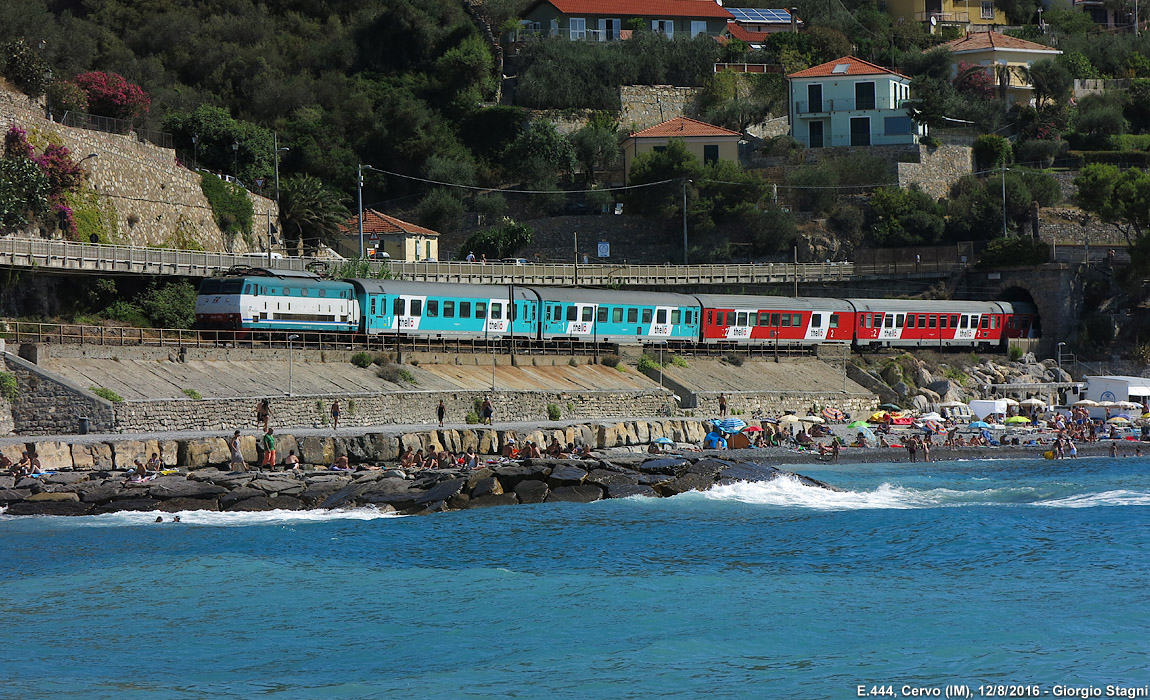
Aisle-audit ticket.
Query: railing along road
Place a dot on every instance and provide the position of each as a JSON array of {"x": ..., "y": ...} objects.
[{"x": 117, "y": 259}]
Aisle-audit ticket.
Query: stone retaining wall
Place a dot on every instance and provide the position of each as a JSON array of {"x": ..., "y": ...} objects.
[
  {"x": 378, "y": 447},
  {"x": 645, "y": 106},
  {"x": 379, "y": 409},
  {"x": 47, "y": 404},
  {"x": 937, "y": 169}
]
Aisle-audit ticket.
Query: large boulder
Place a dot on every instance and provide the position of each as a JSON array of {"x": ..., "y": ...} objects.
[
  {"x": 607, "y": 477},
  {"x": 317, "y": 450},
  {"x": 175, "y": 505},
  {"x": 585, "y": 493},
  {"x": 939, "y": 386},
  {"x": 178, "y": 487},
  {"x": 49, "y": 508},
  {"x": 566, "y": 475},
  {"x": 511, "y": 474},
  {"x": 486, "y": 487},
  {"x": 127, "y": 504},
  {"x": 628, "y": 490},
  {"x": 442, "y": 491},
  {"x": 53, "y": 496},
  {"x": 242, "y": 493},
  {"x": 54, "y": 454},
  {"x": 263, "y": 503},
  {"x": 531, "y": 491},
  {"x": 491, "y": 500},
  {"x": 126, "y": 452},
  {"x": 195, "y": 453},
  {"x": 280, "y": 486},
  {"x": 13, "y": 495},
  {"x": 398, "y": 493},
  {"x": 685, "y": 483}
]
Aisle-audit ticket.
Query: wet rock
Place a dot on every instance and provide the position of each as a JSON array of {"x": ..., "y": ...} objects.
[
  {"x": 240, "y": 494},
  {"x": 511, "y": 474},
  {"x": 490, "y": 500},
  {"x": 54, "y": 496},
  {"x": 605, "y": 478},
  {"x": 262, "y": 503},
  {"x": 179, "y": 487},
  {"x": 585, "y": 493},
  {"x": 665, "y": 465},
  {"x": 628, "y": 490},
  {"x": 127, "y": 504},
  {"x": 283, "y": 487},
  {"x": 398, "y": 493},
  {"x": 12, "y": 495},
  {"x": 531, "y": 491},
  {"x": 685, "y": 483},
  {"x": 486, "y": 487},
  {"x": 176, "y": 505},
  {"x": 565, "y": 475},
  {"x": 442, "y": 491},
  {"x": 49, "y": 508}
]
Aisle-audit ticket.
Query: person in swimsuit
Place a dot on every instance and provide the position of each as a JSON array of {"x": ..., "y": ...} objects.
[
  {"x": 263, "y": 413},
  {"x": 335, "y": 415},
  {"x": 237, "y": 454},
  {"x": 441, "y": 412},
  {"x": 292, "y": 461}
]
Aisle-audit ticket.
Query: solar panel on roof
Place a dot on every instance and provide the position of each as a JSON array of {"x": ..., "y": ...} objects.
[{"x": 755, "y": 14}]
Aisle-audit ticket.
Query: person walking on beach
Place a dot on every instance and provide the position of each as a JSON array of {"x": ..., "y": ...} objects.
[
  {"x": 264, "y": 413},
  {"x": 335, "y": 415},
  {"x": 722, "y": 405},
  {"x": 237, "y": 454},
  {"x": 269, "y": 442},
  {"x": 912, "y": 448},
  {"x": 486, "y": 411},
  {"x": 441, "y": 412}
]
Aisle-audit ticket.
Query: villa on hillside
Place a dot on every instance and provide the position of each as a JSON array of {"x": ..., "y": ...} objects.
[
  {"x": 977, "y": 16},
  {"x": 850, "y": 102},
  {"x": 610, "y": 20},
  {"x": 709, "y": 143},
  {"x": 387, "y": 236},
  {"x": 1006, "y": 58}
]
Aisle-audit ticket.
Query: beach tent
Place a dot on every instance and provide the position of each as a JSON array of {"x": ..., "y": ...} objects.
[
  {"x": 889, "y": 407},
  {"x": 738, "y": 441}
]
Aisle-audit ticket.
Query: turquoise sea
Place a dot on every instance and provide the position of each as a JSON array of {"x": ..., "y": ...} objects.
[{"x": 966, "y": 574}]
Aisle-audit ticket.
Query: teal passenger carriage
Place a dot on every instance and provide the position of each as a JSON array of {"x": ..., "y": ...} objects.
[
  {"x": 629, "y": 317},
  {"x": 431, "y": 309}
]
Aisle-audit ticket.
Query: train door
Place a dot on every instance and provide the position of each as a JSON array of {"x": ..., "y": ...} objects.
[
  {"x": 496, "y": 316},
  {"x": 817, "y": 326}
]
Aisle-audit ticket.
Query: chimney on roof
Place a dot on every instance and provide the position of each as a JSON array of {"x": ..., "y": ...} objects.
[{"x": 793, "y": 12}]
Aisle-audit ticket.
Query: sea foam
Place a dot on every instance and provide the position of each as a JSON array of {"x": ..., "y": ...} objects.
[{"x": 222, "y": 519}]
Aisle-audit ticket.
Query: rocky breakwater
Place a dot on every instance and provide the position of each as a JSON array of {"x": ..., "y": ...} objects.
[{"x": 393, "y": 490}]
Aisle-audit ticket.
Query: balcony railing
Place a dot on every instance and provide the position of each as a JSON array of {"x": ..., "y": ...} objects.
[
  {"x": 943, "y": 17},
  {"x": 848, "y": 105}
]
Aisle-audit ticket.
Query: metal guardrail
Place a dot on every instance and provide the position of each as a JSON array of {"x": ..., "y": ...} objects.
[
  {"x": 94, "y": 122},
  {"x": 95, "y": 257}
]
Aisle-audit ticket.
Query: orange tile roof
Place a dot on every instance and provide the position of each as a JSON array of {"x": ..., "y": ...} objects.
[
  {"x": 856, "y": 66},
  {"x": 374, "y": 222},
  {"x": 640, "y": 8},
  {"x": 738, "y": 31},
  {"x": 683, "y": 127},
  {"x": 981, "y": 41}
]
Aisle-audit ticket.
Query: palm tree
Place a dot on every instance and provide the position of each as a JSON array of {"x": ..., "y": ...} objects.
[{"x": 310, "y": 213}]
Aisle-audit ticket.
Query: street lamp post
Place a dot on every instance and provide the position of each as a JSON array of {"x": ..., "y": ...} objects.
[
  {"x": 236, "y": 159},
  {"x": 291, "y": 362},
  {"x": 1058, "y": 356},
  {"x": 276, "y": 146},
  {"x": 196, "y": 149},
  {"x": 359, "y": 191}
]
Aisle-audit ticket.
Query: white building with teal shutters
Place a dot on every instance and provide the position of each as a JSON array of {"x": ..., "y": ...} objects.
[{"x": 850, "y": 102}]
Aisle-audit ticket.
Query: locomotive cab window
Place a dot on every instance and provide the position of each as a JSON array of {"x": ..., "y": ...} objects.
[
  {"x": 247, "y": 289},
  {"x": 617, "y": 314}
]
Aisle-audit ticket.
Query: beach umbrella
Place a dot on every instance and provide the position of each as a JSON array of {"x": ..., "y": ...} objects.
[
  {"x": 811, "y": 419},
  {"x": 729, "y": 425},
  {"x": 1010, "y": 402},
  {"x": 979, "y": 424},
  {"x": 931, "y": 426},
  {"x": 862, "y": 423},
  {"x": 1122, "y": 415},
  {"x": 867, "y": 433},
  {"x": 832, "y": 414},
  {"x": 1127, "y": 404},
  {"x": 1116, "y": 420},
  {"x": 772, "y": 421},
  {"x": 1084, "y": 402},
  {"x": 1032, "y": 402},
  {"x": 789, "y": 418},
  {"x": 951, "y": 404},
  {"x": 889, "y": 407},
  {"x": 1017, "y": 419},
  {"x": 664, "y": 441},
  {"x": 753, "y": 429},
  {"x": 1146, "y": 415},
  {"x": 1105, "y": 404}
]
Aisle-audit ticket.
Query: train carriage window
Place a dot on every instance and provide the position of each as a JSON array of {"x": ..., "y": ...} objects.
[
  {"x": 661, "y": 316},
  {"x": 775, "y": 320},
  {"x": 834, "y": 321},
  {"x": 449, "y": 309},
  {"x": 602, "y": 316},
  {"x": 942, "y": 321},
  {"x": 572, "y": 313},
  {"x": 496, "y": 310},
  {"x": 889, "y": 320},
  {"x": 323, "y": 292},
  {"x": 303, "y": 292},
  {"x": 480, "y": 309},
  {"x": 399, "y": 307},
  {"x": 962, "y": 321},
  {"x": 741, "y": 319},
  {"x": 632, "y": 315},
  {"x": 878, "y": 320},
  {"x": 465, "y": 309},
  {"x": 984, "y": 323},
  {"x": 588, "y": 313},
  {"x": 922, "y": 320},
  {"x": 867, "y": 320},
  {"x": 910, "y": 320},
  {"x": 932, "y": 321},
  {"x": 646, "y": 315},
  {"x": 786, "y": 321},
  {"x": 796, "y": 320},
  {"x": 416, "y": 307},
  {"x": 617, "y": 314},
  {"x": 764, "y": 318},
  {"x": 993, "y": 322},
  {"x": 816, "y": 320},
  {"x": 675, "y": 315},
  {"x": 710, "y": 318},
  {"x": 898, "y": 320},
  {"x": 954, "y": 320},
  {"x": 730, "y": 318},
  {"x": 373, "y": 306}
]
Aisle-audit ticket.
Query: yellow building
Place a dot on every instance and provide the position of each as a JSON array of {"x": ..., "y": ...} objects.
[
  {"x": 707, "y": 142},
  {"x": 387, "y": 236},
  {"x": 1007, "y": 61},
  {"x": 949, "y": 13}
]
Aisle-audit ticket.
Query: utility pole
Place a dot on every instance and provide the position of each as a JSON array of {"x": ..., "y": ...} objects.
[
  {"x": 1004, "y": 201},
  {"x": 685, "y": 181}
]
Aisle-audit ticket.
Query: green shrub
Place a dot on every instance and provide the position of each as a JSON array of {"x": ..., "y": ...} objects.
[
  {"x": 678, "y": 361},
  {"x": 106, "y": 394},
  {"x": 24, "y": 66},
  {"x": 231, "y": 206},
  {"x": 168, "y": 304},
  {"x": 407, "y": 376},
  {"x": 9, "y": 388},
  {"x": 646, "y": 364},
  {"x": 736, "y": 360},
  {"x": 1132, "y": 159},
  {"x": 471, "y": 418},
  {"x": 1014, "y": 352},
  {"x": 609, "y": 360},
  {"x": 1014, "y": 252},
  {"x": 992, "y": 151},
  {"x": 553, "y": 412},
  {"x": 362, "y": 359},
  {"x": 126, "y": 312},
  {"x": 1038, "y": 153},
  {"x": 193, "y": 394},
  {"x": 930, "y": 141}
]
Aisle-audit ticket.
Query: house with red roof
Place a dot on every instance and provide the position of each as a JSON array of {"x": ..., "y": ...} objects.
[
  {"x": 388, "y": 237},
  {"x": 709, "y": 143},
  {"x": 610, "y": 20},
  {"x": 1007, "y": 61},
  {"x": 753, "y": 25},
  {"x": 850, "y": 102}
]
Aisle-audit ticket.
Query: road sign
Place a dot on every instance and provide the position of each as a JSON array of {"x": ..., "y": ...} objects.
[
  {"x": 373, "y": 237},
  {"x": 604, "y": 249}
]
